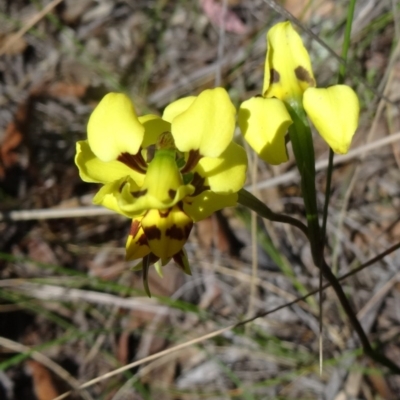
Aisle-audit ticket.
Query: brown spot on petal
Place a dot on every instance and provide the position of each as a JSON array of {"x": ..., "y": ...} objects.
[
  {"x": 150, "y": 152},
  {"x": 175, "y": 232},
  {"x": 303, "y": 75},
  {"x": 193, "y": 159},
  {"x": 171, "y": 193},
  {"x": 179, "y": 233},
  {"x": 182, "y": 262},
  {"x": 121, "y": 186},
  {"x": 152, "y": 232},
  {"x": 165, "y": 141},
  {"x": 164, "y": 213},
  {"x": 134, "y": 228},
  {"x": 274, "y": 76},
  {"x": 136, "y": 162},
  {"x": 188, "y": 227},
  {"x": 139, "y": 193},
  {"x": 198, "y": 183},
  {"x": 178, "y": 258},
  {"x": 142, "y": 241},
  {"x": 140, "y": 160}
]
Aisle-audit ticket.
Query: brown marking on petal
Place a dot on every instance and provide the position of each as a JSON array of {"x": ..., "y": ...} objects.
[
  {"x": 151, "y": 151},
  {"x": 258, "y": 95},
  {"x": 139, "y": 193},
  {"x": 165, "y": 141},
  {"x": 164, "y": 213},
  {"x": 179, "y": 233},
  {"x": 136, "y": 162},
  {"x": 152, "y": 232},
  {"x": 180, "y": 259},
  {"x": 140, "y": 160},
  {"x": 171, "y": 193},
  {"x": 153, "y": 258},
  {"x": 142, "y": 241},
  {"x": 134, "y": 227},
  {"x": 274, "y": 76},
  {"x": 198, "y": 183},
  {"x": 121, "y": 186},
  {"x": 150, "y": 259},
  {"x": 193, "y": 159},
  {"x": 175, "y": 232},
  {"x": 303, "y": 75},
  {"x": 198, "y": 180},
  {"x": 188, "y": 227}
]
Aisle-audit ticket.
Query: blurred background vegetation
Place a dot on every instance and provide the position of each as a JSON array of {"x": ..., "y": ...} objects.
[{"x": 71, "y": 309}]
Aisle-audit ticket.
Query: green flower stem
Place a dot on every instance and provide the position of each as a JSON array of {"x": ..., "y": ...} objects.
[
  {"x": 327, "y": 196},
  {"x": 248, "y": 200},
  {"x": 303, "y": 148}
]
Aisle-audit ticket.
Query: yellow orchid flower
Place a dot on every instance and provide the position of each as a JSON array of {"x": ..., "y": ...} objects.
[
  {"x": 289, "y": 79},
  {"x": 164, "y": 173}
]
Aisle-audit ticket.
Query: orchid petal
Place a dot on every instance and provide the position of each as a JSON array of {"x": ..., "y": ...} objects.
[
  {"x": 115, "y": 195},
  {"x": 206, "y": 203},
  {"x": 136, "y": 245},
  {"x": 107, "y": 196},
  {"x": 264, "y": 123},
  {"x": 177, "y": 107},
  {"x": 207, "y": 125},
  {"x": 114, "y": 128},
  {"x": 166, "y": 231},
  {"x": 227, "y": 173},
  {"x": 92, "y": 169},
  {"x": 288, "y": 72},
  {"x": 334, "y": 113},
  {"x": 154, "y": 126}
]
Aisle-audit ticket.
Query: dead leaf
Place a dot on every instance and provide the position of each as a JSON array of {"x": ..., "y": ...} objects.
[
  {"x": 40, "y": 251},
  {"x": 215, "y": 13},
  {"x": 379, "y": 382},
  {"x": 42, "y": 381},
  {"x": 65, "y": 89},
  {"x": 216, "y": 231},
  {"x": 17, "y": 44},
  {"x": 303, "y": 10},
  {"x": 12, "y": 139}
]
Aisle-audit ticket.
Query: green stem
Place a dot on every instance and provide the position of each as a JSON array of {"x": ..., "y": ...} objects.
[
  {"x": 250, "y": 201},
  {"x": 303, "y": 148},
  {"x": 327, "y": 196}
]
